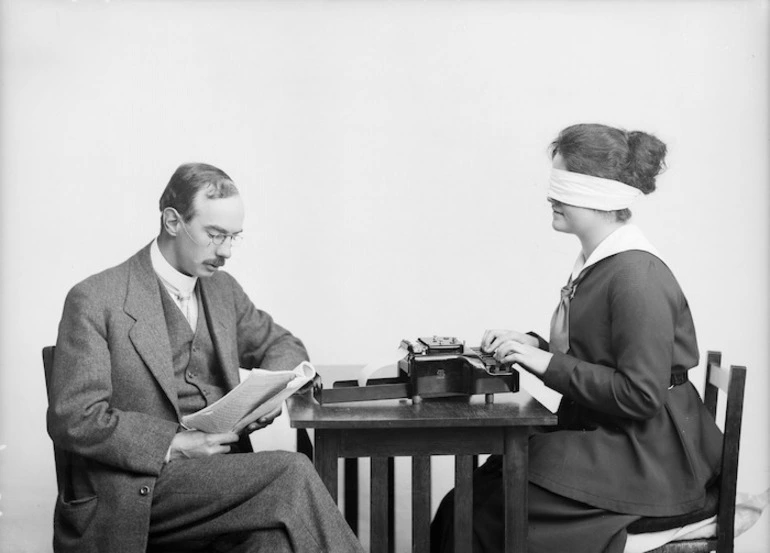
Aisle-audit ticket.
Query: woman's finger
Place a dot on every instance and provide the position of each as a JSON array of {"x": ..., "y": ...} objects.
[{"x": 488, "y": 338}]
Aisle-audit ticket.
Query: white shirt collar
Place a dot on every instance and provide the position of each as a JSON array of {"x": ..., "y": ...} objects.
[
  {"x": 628, "y": 237},
  {"x": 180, "y": 284}
]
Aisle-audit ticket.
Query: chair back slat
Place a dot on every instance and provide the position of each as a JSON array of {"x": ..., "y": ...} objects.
[
  {"x": 732, "y": 382},
  {"x": 730, "y": 450},
  {"x": 711, "y": 393},
  {"x": 48, "y": 363},
  {"x": 60, "y": 459}
]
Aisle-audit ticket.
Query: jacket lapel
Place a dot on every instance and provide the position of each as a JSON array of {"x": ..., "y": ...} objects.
[
  {"x": 149, "y": 334},
  {"x": 218, "y": 307}
]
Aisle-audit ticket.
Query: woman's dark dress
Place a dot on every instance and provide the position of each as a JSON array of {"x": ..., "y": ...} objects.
[{"x": 628, "y": 444}]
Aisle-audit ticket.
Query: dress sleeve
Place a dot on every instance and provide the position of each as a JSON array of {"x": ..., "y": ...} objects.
[
  {"x": 642, "y": 305},
  {"x": 542, "y": 343}
]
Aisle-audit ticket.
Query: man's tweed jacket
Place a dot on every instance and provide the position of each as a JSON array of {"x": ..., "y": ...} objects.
[{"x": 112, "y": 402}]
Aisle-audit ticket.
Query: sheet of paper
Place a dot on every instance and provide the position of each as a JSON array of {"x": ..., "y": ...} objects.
[
  {"x": 259, "y": 394},
  {"x": 375, "y": 366}
]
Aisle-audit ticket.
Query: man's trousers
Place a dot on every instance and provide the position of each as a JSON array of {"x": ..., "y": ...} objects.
[{"x": 246, "y": 503}]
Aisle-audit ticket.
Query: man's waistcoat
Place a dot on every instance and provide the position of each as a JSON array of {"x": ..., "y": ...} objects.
[{"x": 196, "y": 368}]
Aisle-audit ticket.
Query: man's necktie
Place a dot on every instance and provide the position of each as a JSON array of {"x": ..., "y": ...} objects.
[
  {"x": 559, "y": 342},
  {"x": 184, "y": 304}
]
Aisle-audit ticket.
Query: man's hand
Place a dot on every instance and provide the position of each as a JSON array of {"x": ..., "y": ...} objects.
[
  {"x": 264, "y": 421},
  {"x": 492, "y": 339},
  {"x": 190, "y": 444}
]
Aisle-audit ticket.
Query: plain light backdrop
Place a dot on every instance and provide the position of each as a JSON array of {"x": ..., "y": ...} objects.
[{"x": 392, "y": 156}]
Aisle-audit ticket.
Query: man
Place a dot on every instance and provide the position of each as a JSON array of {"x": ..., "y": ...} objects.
[{"x": 141, "y": 345}]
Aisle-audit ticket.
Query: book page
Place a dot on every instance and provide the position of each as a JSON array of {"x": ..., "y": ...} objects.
[{"x": 259, "y": 394}]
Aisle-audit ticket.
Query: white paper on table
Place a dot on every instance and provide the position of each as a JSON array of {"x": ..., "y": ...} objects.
[{"x": 386, "y": 361}]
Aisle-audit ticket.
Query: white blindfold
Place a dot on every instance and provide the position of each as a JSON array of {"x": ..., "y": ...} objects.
[{"x": 591, "y": 192}]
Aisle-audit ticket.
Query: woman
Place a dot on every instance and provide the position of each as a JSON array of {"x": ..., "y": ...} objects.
[{"x": 634, "y": 438}]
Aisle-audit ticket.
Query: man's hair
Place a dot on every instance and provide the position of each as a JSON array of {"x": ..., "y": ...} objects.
[{"x": 188, "y": 180}]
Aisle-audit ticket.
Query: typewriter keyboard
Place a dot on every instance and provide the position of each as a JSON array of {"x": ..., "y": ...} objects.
[{"x": 493, "y": 367}]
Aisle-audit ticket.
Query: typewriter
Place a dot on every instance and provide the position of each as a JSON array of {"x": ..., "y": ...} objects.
[{"x": 434, "y": 367}]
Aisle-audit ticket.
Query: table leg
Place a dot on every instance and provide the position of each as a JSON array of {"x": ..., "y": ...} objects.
[
  {"x": 515, "y": 461},
  {"x": 327, "y": 444},
  {"x": 421, "y": 503},
  {"x": 351, "y": 493},
  {"x": 304, "y": 445},
  {"x": 463, "y": 503},
  {"x": 380, "y": 509},
  {"x": 391, "y": 505}
]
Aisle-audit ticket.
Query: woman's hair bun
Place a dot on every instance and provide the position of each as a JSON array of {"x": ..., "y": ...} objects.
[{"x": 646, "y": 159}]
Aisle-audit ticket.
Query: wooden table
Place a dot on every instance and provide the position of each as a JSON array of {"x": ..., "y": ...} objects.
[{"x": 462, "y": 427}]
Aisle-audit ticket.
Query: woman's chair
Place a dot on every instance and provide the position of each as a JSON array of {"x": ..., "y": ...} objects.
[{"x": 720, "y": 495}]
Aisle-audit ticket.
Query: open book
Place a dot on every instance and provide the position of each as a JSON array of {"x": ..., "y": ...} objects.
[{"x": 259, "y": 394}]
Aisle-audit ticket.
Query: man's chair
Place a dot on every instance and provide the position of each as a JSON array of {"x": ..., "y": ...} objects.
[
  {"x": 720, "y": 498},
  {"x": 60, "y": 459}
]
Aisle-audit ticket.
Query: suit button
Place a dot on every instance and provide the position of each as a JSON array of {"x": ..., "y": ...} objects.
[
  {"x": 190, "y": 375},
  {"x": 144, "y": 490}
]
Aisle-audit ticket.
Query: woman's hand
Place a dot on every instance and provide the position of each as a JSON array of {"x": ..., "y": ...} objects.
[
  {"x": 493, "y": 338},
  {"x": 530, "y": 357}
]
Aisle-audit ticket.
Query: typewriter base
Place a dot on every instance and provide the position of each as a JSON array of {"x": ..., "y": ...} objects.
[{"x": 417, "y": 388}]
